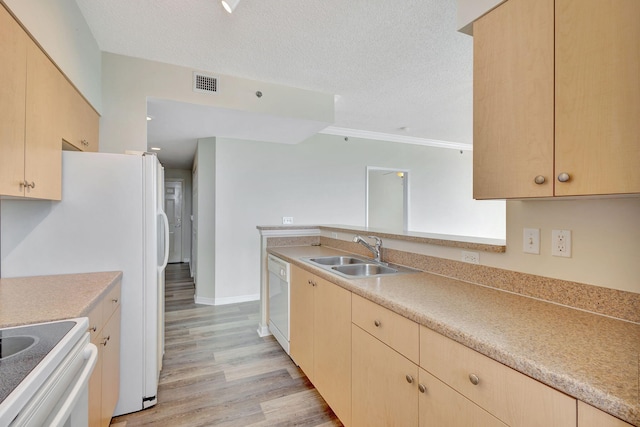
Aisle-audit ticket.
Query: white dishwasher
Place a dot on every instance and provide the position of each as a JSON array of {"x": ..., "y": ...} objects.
[{"x": 279, "y": 300}]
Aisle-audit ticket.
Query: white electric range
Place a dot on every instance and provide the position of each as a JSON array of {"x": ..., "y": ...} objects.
[{"x": 45, "y": 370}]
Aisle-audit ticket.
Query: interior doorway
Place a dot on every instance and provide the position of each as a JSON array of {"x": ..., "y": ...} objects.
[
  {"x": 387, "y": 198},
  {"x": 174, "y": 208}
]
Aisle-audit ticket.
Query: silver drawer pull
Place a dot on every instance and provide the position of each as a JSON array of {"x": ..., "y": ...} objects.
[
  {"x": 422, "y": 388},
  {"x": 93, "y": 328},
  {"x": 539, "y": 179},
  {"x": 564, "y": 177},
  {"x": 474, "y": 379},
  {"x": 377, "y": 323},
  {"x": 114, "y": 300},
  {"x": 409, "y": 379}
]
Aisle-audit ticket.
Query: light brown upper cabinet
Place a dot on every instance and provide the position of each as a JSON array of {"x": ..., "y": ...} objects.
[
  {"x": 557, "y": 99},
  {"x": 13, "y": 74},
  {"x": 80, "y": 122},
  {"x": 30, "y": 140}
]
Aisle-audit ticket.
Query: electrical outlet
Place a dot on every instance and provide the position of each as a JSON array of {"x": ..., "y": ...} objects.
[
  {"x": 471, "y": 257},
  {"x": 531, "y": 241},
  {"x": 287, "y": 220},
  {"x": 561, "y": 243}
]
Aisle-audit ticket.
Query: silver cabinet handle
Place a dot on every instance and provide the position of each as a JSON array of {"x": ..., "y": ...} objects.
[
  {"x": 85, "y": 142},
  {"x": 93, "y": 328},
  {"x": 377, "y": 323},
  {"x": 474, "y": 379},
  {"x": 114, "y": 300},
  {"x": 539, "y": 179},
  {"x": 409, "y": 379},
  {"x": 422, "y": 388},
  {"x": 27, "y": 184},
  {"x": 105, "y": 340},
  {"x": 564, "y": 177}
]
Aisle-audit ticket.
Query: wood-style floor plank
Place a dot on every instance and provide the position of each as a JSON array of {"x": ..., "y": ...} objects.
[{"x": 217, "y": 371}]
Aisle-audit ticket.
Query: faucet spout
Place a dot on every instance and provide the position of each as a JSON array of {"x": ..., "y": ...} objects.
[{"x": 374, "y": 249}]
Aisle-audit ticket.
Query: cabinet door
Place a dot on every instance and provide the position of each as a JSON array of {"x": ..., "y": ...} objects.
[
  {"x": 440, "y": 405},
  {"x": 110, "y": 367},
  {"x": 332, "y": 347},
  {"x": 513, "y": 103},
  {"x": 598, "y": 96},
  {"x": 43, "y": 142},
  {"x": 588, "y": 416},
  {"x": 301, "y": 312},
  {"x": 80, "y": 122},
  {"x": 13, "y": 74},
  {"x": 381, "y": 394}
]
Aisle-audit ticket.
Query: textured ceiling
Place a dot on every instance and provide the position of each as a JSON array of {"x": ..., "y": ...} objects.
[{"x": 393, "y": 64}]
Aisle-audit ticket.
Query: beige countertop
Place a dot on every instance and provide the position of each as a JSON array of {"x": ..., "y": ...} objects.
[
  {"x": 590, "y": 357},
  {"x": 37, "y": 299}
]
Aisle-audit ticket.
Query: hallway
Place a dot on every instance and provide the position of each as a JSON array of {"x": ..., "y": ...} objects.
[{"x": 218, "y": 372}]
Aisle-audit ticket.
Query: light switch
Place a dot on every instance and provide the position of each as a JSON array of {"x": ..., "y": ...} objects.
[{"x": 531, "y": 241}]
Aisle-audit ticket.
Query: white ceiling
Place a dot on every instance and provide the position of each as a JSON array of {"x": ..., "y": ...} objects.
[{"x": 397, "y": 67}]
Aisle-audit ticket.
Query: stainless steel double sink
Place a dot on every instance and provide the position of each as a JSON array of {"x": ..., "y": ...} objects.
[{"x": 353, "y": 267}]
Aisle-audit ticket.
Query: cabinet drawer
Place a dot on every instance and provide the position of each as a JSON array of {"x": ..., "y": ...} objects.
[
  {"x": 398, "y": 332},
  {"x": 110, "y": 303},
  {"x": 507, "y": 394}
]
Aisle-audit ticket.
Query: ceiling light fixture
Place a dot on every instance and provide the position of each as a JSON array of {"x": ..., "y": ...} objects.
[{"x": 230, "y": 5}]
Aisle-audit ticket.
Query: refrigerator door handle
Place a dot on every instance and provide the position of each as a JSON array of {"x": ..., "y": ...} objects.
[{"x": 166, "y": 239}]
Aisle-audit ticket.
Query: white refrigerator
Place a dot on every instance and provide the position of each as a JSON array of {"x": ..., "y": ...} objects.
[{"x": 110, "y": 218}]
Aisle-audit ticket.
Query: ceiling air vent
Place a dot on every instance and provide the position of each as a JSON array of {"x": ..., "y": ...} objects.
[{"x": 204, "y": 84}]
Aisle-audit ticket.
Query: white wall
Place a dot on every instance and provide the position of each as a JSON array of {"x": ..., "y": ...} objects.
[
  {"x": 605, "y": 241},
  {"x": 127, "y": 83},
  {"x": 185, "y": 176},
  {"x": 205, "y": 220},
  {"x": 322, "y": 181},
  {"x": 59, "y": 27}
]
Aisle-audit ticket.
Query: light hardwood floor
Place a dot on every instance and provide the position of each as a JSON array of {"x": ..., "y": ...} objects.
[{"x": 218, "y": 372}]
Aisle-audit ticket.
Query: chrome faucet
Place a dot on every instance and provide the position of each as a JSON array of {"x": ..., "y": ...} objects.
[{"x": 375, "y": 250}]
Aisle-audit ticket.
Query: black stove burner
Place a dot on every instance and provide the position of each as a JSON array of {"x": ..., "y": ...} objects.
[{"x": 23, "y": 347}]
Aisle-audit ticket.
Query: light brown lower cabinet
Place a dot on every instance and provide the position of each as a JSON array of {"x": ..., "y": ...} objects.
[
  {"x": 320, "y": 338},
  {"x": 390, "y": 390},
  {"x": 384, "y": 384},
  {"x": 588, "y": 416},
  {"x": 386, "y": 370},
  {"x": 104, "y": 384}
]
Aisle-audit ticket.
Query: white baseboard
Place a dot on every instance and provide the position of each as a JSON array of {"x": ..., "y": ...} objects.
[
  {"x": 233, "y": 300},
  {"x": 263, "y": 330},
  {"x": 204, "y": 300}
]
